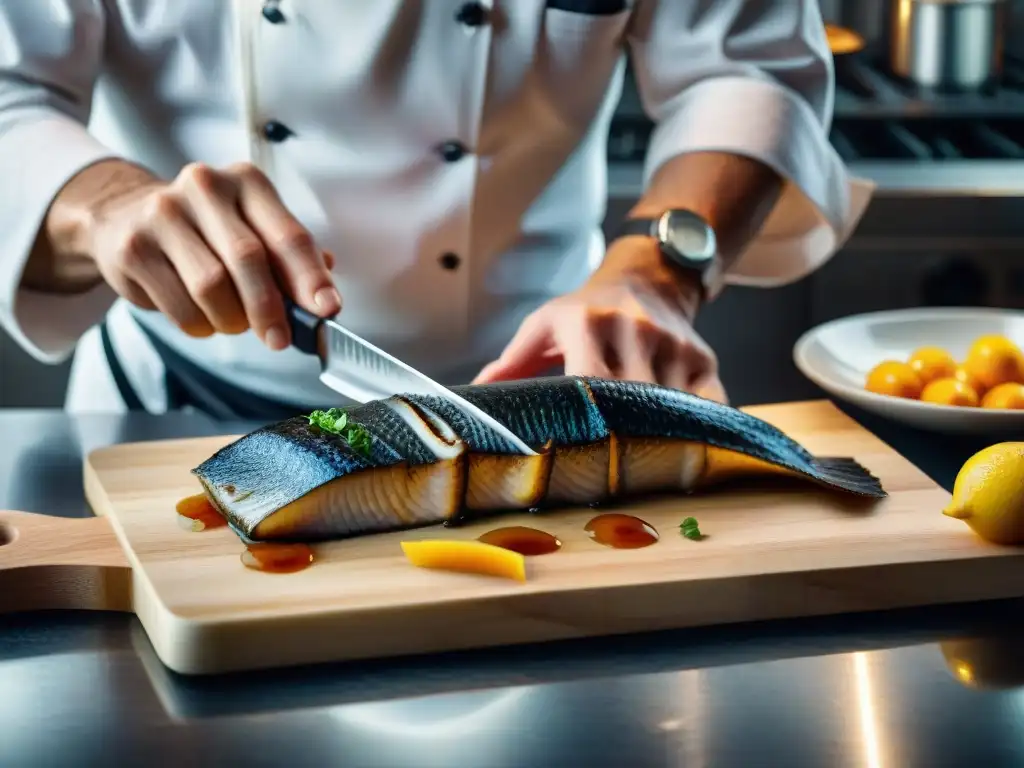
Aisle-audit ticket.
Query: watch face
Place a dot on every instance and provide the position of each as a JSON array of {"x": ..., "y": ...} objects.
[{"x": 688, "y": 235}]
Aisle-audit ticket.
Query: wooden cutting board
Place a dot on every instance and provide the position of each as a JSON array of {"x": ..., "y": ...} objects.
[{"x": 778, "y": 549}]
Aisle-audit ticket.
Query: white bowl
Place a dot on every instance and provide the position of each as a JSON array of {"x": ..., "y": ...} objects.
[{"x": 838, "y": 355}]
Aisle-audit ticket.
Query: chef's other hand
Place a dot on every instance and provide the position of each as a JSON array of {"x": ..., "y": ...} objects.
[
  {"x": 632, "y": 320},
  {"x": 211, "y": 250}
]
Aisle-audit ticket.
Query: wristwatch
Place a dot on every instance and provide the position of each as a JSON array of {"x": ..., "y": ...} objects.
[{"x": 687, "y": 242}]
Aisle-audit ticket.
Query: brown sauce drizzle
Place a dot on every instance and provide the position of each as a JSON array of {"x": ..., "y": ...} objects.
[
  {"x": 277, "y": 558},
  {"x": 522, "y": 539},
  {"x": 196, "y": 513},
  {"x": 621, "y": 531}
]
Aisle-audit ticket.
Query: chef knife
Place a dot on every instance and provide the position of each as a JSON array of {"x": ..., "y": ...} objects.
[{"x": 356, "y": 368}]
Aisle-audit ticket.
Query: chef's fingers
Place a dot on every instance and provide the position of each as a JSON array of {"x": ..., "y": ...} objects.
[
  {"x": 126, "y": 260},
  {"x": 214, "y": 207},
  {"x": 136, "y": 294},
  {"x": 676, "y": 363},
  {"x": 582, "y": 348},
  {"x": 149, "y": 270},
  {"x": 527, "y": 355},
  {"x": 673, "y": 372},
  {"x": 684, "y": 363},
  {"x": 548, "y": 363},
  {"x": 204, "y": 275},
  {"x": 636, "y": 342},
  {"x": 702, "y": 365},
  {"x": 299, "y": 262}
]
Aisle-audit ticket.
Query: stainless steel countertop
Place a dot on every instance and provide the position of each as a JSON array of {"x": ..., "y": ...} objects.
[{"x": 933, "y": 687}]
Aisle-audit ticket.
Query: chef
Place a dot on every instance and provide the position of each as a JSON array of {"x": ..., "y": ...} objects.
[{"x": 434, "y": 171}]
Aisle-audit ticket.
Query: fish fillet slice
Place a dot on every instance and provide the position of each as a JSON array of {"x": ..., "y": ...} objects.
[{"x": 429, "y": 462}]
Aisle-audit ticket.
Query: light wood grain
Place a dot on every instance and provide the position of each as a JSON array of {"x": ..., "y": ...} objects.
[
  {"x": 779, "y": 549},
  {"x": 61, "y": 563}
]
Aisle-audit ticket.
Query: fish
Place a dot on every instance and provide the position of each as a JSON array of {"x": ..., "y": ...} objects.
[{"x": 421, "y": 460}]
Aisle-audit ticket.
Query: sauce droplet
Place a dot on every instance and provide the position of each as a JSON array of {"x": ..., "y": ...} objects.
[
  {"x": 277, "y": 558},
  {"x": 196, "y": 513},
  {"x": 519, "y": 538},
  {"x": 621, "y": 531}
]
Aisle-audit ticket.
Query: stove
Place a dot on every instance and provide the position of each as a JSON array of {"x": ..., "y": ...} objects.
[
  {"x": 907, "y": 141},
  {"x": 865, "y": 89}
]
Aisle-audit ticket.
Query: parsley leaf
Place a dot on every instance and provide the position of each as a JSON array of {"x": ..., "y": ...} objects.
[
  {"x": 690, "y": 529},
  {"x": 335, "y": 421}
]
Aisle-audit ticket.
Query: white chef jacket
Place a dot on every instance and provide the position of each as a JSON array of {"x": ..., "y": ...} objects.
[{"x": 451, "y": 156}]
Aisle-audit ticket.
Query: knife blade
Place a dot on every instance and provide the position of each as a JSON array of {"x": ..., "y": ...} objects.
[{"x": 357, "y": 369}]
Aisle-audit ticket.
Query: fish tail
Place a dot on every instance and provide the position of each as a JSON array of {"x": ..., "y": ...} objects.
[{"x": 847, "y": 474}]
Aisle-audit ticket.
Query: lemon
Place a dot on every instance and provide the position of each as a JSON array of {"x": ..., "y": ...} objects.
[
  {"x": 988, "y": 662},
  {"x": 988, "y": 493}
]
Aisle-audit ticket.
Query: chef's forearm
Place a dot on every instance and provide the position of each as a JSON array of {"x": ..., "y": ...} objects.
[
  {"x": 60, "y": 261},
  {"x": 733, "y": 193}
]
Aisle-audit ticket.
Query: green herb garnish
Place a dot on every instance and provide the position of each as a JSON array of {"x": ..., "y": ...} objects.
[
  {"x": 690, "y": 529},
  {"x": 335, "y": 421}
]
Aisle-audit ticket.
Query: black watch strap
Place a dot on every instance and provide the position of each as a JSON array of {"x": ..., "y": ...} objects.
[
  {"x": 707, "y": 272},
  {"x": 636, "y": 227}
]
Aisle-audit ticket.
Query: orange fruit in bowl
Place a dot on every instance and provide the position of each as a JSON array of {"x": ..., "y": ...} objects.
[
  {"x": 950, "y": 391},
  {"x": 932, "y": 363},
  {"x": 995, "y": 360},
  {"x": 961, "y": 374},
  {"x": 893, "y": 378},
  {"x": 1009, "y": 395}
]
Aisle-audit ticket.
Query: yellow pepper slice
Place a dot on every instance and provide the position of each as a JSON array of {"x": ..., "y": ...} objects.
[{"x": 466, "y": 557}]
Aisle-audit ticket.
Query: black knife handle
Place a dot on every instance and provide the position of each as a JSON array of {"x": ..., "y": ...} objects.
[{"x": 305, "y": 327}]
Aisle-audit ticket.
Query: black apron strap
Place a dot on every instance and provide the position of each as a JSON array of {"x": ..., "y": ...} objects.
[
  {"x": 189, "y": 385},
  {"x": 124, "y": 387}
]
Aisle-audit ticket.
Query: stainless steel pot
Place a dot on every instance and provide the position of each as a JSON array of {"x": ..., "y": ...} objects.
[{"x": 948, "y": 45}]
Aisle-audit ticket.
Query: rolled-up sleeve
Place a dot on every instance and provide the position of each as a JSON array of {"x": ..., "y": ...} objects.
[
  {"x": 752, "y": 78},
  {"x": 50, "y": 55}
]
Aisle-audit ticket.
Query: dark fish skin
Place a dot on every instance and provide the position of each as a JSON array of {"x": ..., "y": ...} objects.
[
  {"x": 289, "y": 469},
  {"x": 559, "y": 410}
]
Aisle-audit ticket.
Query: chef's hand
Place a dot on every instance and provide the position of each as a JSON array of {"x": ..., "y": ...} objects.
[
  {"x": 210, "y": 250},
  {"x": 632, "y": 320}
]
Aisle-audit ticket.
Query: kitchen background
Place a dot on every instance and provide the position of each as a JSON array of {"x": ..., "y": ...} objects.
[{"x": 931, "y": 108}]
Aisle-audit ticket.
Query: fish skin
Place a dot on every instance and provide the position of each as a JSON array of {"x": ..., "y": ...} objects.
[
  {"x": 312, "y": 458},
  {"x": 390, "y": 431},
  {"x": 547, "y": 413},
  {"x": 537, "y": 410},
  {"x": 630, "y": 410}
]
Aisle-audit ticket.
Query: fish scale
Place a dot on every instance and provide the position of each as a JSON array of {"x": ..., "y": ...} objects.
[
  {"x": 632, "y": 410},
  {"x": 478, "y": 437},
  {"x": 389, "y": 429},
  {"x": 540, "y": 410}
]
